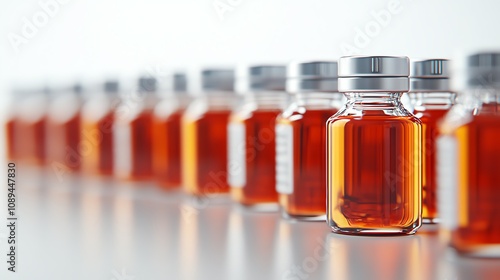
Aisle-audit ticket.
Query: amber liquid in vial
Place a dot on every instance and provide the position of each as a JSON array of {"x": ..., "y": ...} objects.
[
  {"x": 35, "y": 141},
  {"x": 374, "y": 174},
  {"x": 140, "y": 147},
  {"x": 260, "y": 157},
  {"x": 309, "y": 164},
  {"x": 204, "y": 153},
  {"x": 26, "y": 140},
  {"x": 63, "y": 142},
  {"x": 167, "y": 145},
  {"x": 10, "y": 138},
  {"x": 430, "y": 132},
  {"x": 478, "y": 186},
  {"x": 99, "y": 159}
]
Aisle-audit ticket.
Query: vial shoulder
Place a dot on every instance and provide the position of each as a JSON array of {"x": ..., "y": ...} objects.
[
  {"x": 373, "y": 119},
  {"x": 296, "y": 113}
]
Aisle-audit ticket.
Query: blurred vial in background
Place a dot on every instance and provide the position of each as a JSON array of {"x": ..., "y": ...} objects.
[
  {"x": 204, "y": 134},
  {"x": 374, "y": 151},
  {"x": 63, "y": 129},
  {"x": 97, "y": 129},
  {"x": 25, "y": 126},
  {"x": 132, "y": 131},
  {"x": 301, "y": 139},
  {"x": 468, "y": 162},
  {"x": 167, "y": 144},
  {"x": 431, "y": 97},
  {"x": 12, "y": 133},
  {"x": 252, "y": 140}
]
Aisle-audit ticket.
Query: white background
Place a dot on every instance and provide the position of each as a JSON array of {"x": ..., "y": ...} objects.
[{"x": 89, "y": 40}]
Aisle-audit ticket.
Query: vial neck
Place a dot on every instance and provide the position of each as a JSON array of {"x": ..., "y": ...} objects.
[
  {"x": 319, "y": 100},
  {"x": 374, "y": 100},
  {"x": 489, "y": 100},
  {"x": 268, "y": 99},
  {"x": 219, "y": 99},
  {"x": 432, "y": 100}
]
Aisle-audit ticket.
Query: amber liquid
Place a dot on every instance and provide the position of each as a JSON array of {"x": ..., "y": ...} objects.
[
  {"x": 204, "y": 153},
  {"x": 35, "y": 142},
  {"x": 141, "y": 147},
  {"x": 63, "y": 143},
  {"x": 27, "y": 141},
  {"x": 309, "y": 164},
  {"x": 479, "y": 185},
  {"x": 260, "y": 186},
  {"x": 430, "y": 121},
  {"x": 98, "y": 135},
  {"x": 374, "y": 174},
  {"x": 10, "y": 138},
  {"x": 167, "y": 150}
]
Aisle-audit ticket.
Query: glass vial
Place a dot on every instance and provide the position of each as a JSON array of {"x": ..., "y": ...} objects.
[
  {"x": 26, "y": 127},
  {"x": 63, "y": 130},
  {"x": 97, "y": 129},
  {"x": 204, "y": 135},
  {"x": 167, "y": 145},
  {"x": 374, "y": 153},
  {"x": 301, "y": 139},
  {"x": 12, "y": 124},
  {"x": 432, "y": 98},
  {"x": 132, "y": 132},
  {"x": 252, "y": 145},
  {"x": 469, "y": 173}
]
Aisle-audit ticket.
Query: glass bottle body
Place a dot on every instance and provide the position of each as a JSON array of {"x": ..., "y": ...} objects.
[
  {"x": 430, "y": 108},
  {"x": 301, "y": 154},
  {"x": 132, "y": 144},
  {"x": 252, "y": 159},
  {"x": 204, "y": 144},
  {"x": 97, "y": 132},
  {"x": 469, "y": 175},
  {"x": 11, "y": 127},
  {"x": 374, "y": 166},
  {"x": 28, "y": 127},
  {"x": 63, "y": 132},
  {"x": 167, "y": 145}
]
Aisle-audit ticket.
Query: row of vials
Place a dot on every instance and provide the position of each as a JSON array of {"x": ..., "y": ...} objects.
[{"x": 321, "y": 139}]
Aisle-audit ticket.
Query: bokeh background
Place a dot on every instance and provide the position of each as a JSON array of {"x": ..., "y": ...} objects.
[{"x": 85, "y": 39}]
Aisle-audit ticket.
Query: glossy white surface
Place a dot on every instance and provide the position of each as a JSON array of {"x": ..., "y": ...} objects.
[{"x": 104, "y": 230}]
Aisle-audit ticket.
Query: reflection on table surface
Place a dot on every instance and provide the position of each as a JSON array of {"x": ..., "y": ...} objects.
[{"x": 100, "y": 229}]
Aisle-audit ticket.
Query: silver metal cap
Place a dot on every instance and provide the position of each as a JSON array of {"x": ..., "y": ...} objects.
[
  {"x": 217, "y": 80},
  {"x": 77, "y": 88},
  {"x": 484, "y": 70},
  {"x": 179, "y": 82},
  {"x": 313, "y": 76},
  {"x": 430, "y": 75},
  {"x": 147, "y": 84},
  {"x": 373, "y": 73},
  {"x": 111, "y": 86},
  {"x": 261, "y": 78}
]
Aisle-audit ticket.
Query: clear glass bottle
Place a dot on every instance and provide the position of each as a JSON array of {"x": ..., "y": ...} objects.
[
  {"x": 11, "y": 128},
  {"x": 431, "y": 98},
  {"x": 25, "y": 126},
  {"x": 252, "y": 140},
  {"x": 63, "y": 130},
  {"x": 301, "y": 139},
  {"x": 97, "y": 129},
  {"x": 167, "y": 145},
  {"x": 374, "y": 153},
  {"x": 204, "y": 135},
  {"x": 132, "y": 133},
  {"x": 468, "y": 169}
]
